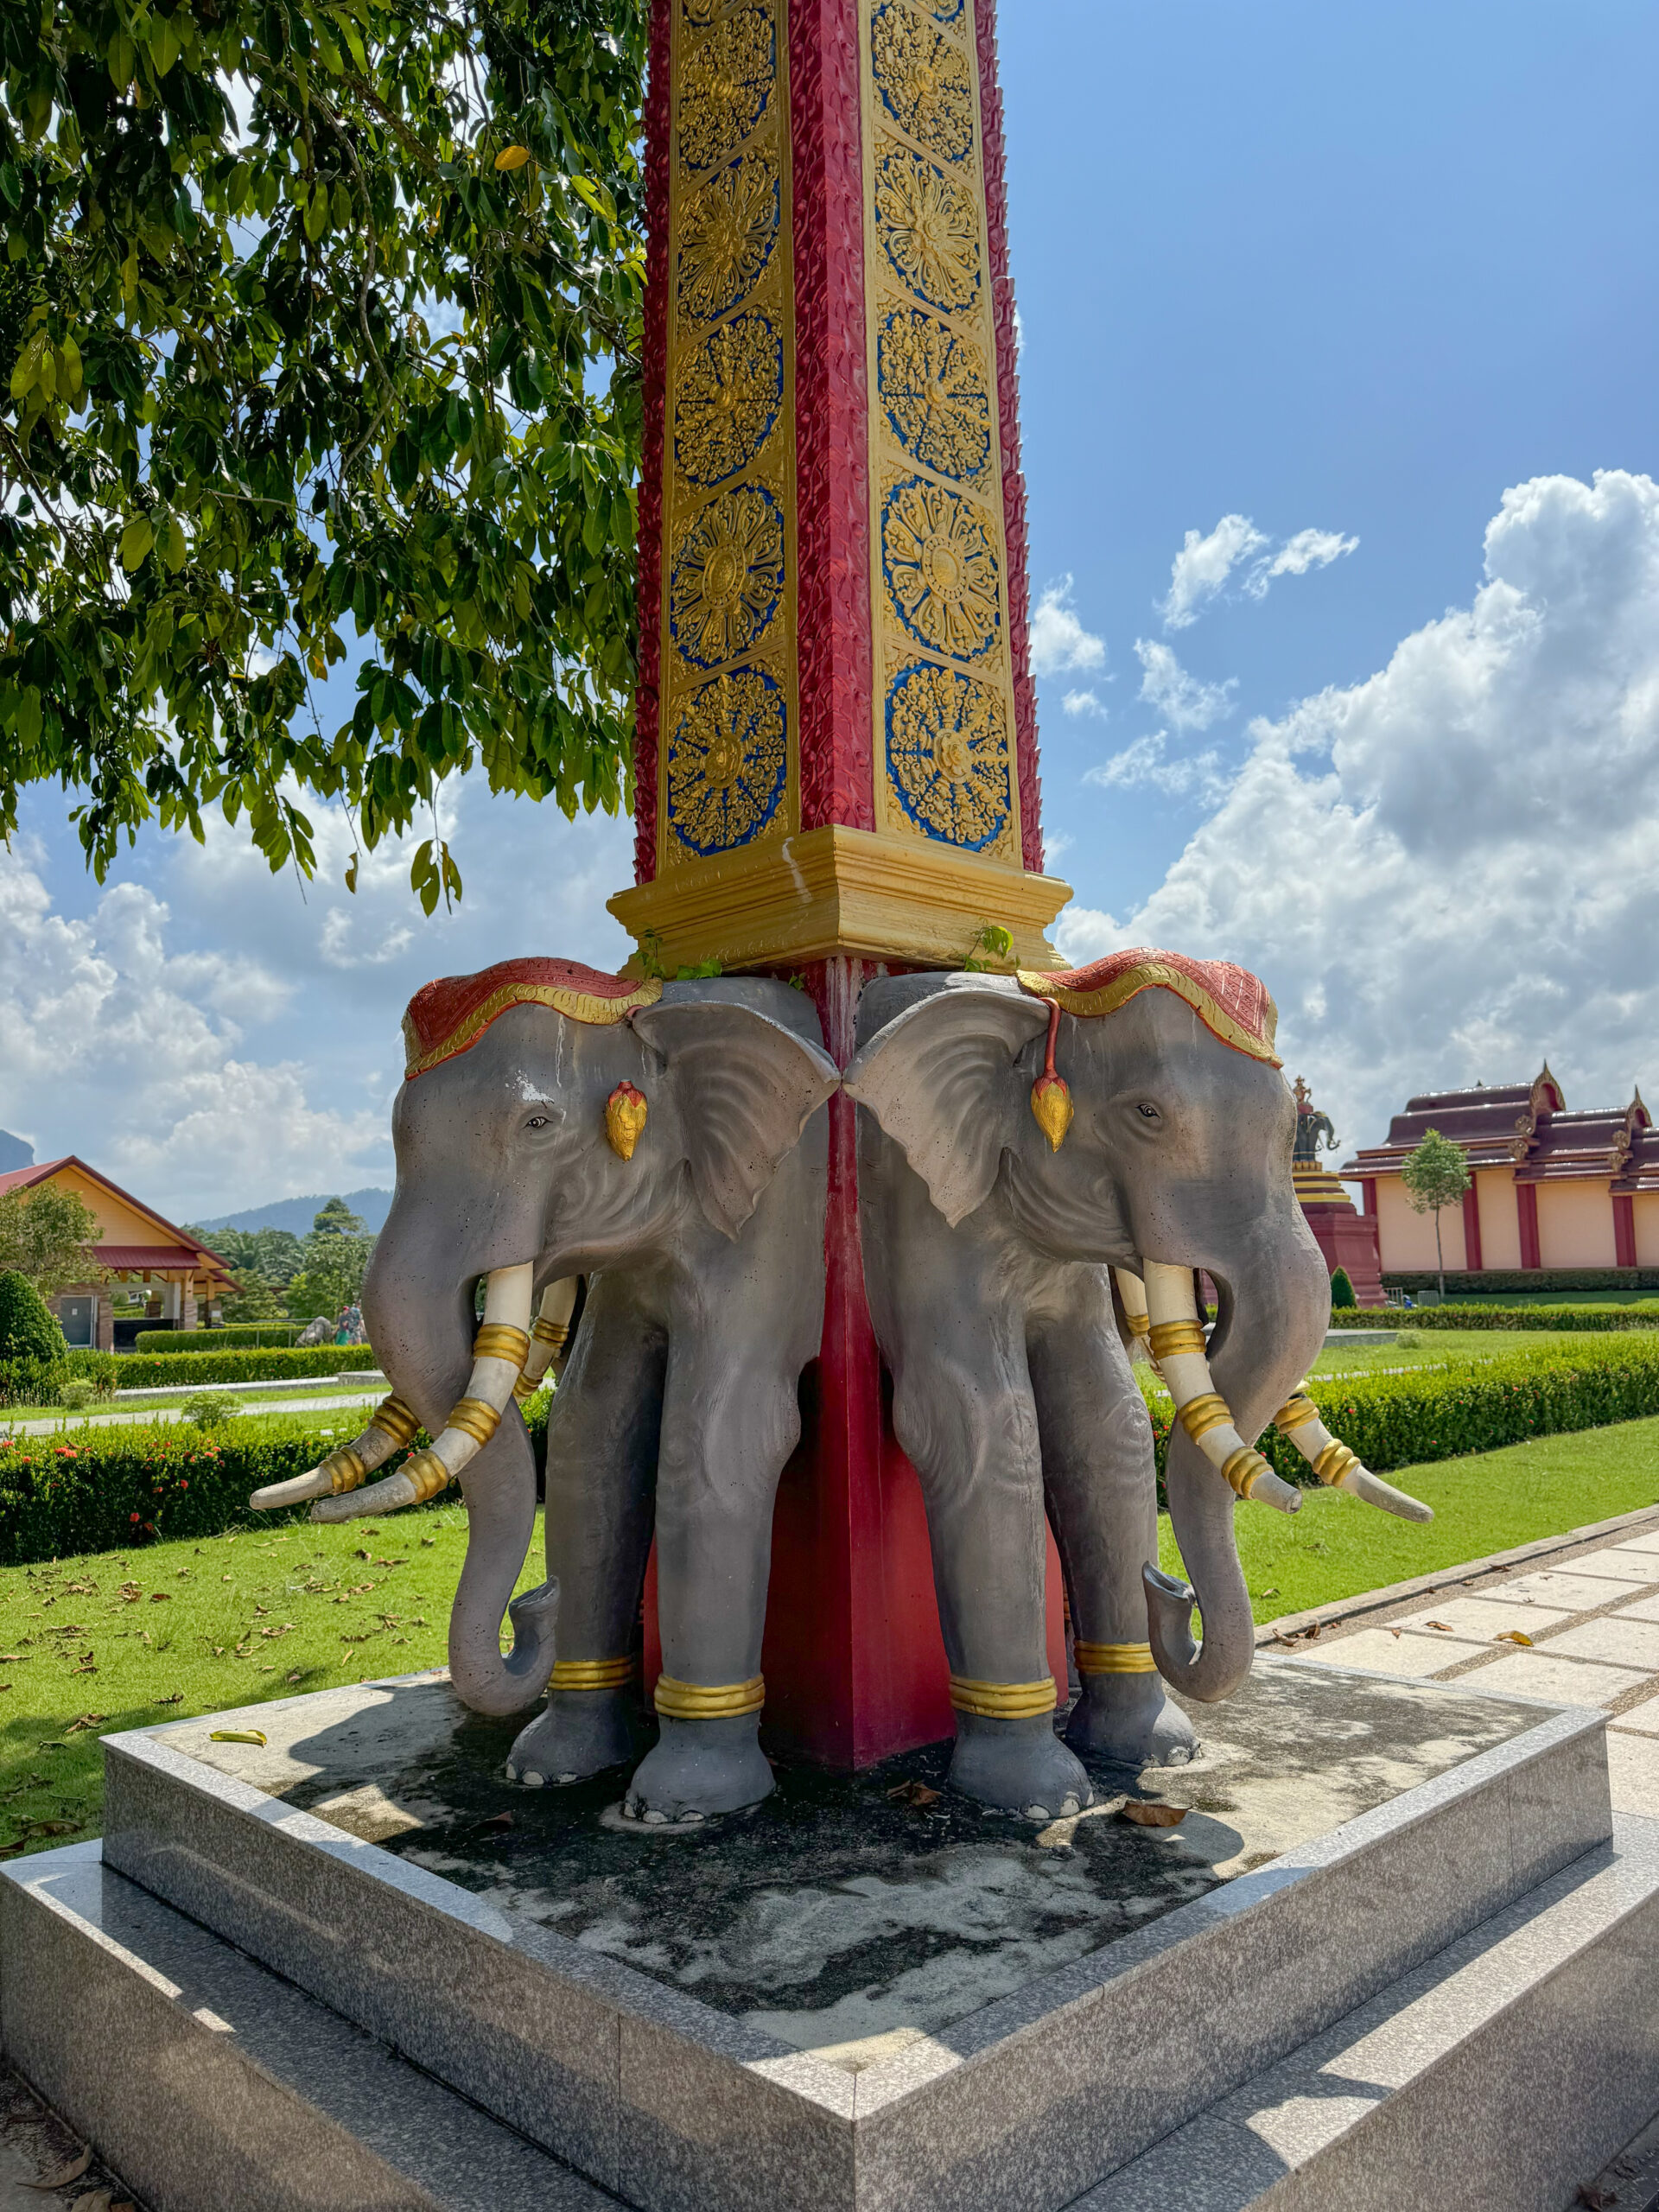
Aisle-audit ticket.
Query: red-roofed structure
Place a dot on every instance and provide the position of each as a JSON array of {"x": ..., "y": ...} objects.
[
  {"x": 137, "y": 1243},
  {"x": 1550, "y": 1190}
]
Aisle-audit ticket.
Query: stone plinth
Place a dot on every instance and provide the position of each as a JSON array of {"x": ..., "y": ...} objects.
[{"x": 847, "y": 1997}]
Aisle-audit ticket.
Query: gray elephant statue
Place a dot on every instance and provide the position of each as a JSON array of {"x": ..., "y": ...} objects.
[
  {"x": 1044, "y": 1164},
  {"x": 662, "y": 1141}
]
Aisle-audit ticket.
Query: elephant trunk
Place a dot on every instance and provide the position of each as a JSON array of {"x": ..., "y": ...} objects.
[
  {"x": 424, "y": 1336},
  {"x": 1274, "y": 1310}
]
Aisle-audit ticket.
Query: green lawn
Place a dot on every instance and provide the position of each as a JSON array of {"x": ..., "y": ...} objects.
[
  {"x": 324, "y": 1386},
  {"x": 1489, "y": 1502},
  {"x": 129, "y": 1639},
  {"x": 1434, "y": 1347}
]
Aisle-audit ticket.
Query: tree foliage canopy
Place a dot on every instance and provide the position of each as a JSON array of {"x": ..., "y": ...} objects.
[
  {"x": 45, "y": 1237},
  {"x": 311, "y": 311},
  {"x": 1436, "y": 1175}
]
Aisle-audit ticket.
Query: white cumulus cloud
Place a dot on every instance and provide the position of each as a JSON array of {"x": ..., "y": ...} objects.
[
  {"x": 1446, "y": 871},
  {"x": 128, "y": 1055},
  {"x": 1059, "y": 641},
  {"x": 1183, "y": 701},
  {"x": 1146, "y": 762},
  {"x": 1206, "y": 564}
]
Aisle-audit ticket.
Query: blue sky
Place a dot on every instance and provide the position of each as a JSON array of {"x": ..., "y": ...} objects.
[{"x": 1365, "y": 296}]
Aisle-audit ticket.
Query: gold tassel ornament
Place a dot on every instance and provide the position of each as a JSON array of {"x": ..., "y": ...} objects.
[
  {"x": 624, "y": 1119},
  {"x": 1050, "y": 1095}
]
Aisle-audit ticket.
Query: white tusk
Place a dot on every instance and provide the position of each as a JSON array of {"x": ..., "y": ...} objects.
[
  {"x": 1178, "y": 1348},
  {"x": 500, "y": 1350},
  {"x": 547, "y": 1336},
  {"x": 391, "y": 1426},
  {"x": 1336, "y": 1465},
  {"x": 1132, "y": 1293}
]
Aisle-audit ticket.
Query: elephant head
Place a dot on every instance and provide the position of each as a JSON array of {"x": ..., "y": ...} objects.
[
  {"x": 1132, "y": 1113},
  {"x": 553, "y": 1121}
]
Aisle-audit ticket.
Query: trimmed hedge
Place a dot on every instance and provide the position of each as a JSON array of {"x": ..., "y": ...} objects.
[
  {"x": 94, "y": 1490},
  {"x": 235, "y": 1336},
  {"x": 1400, "y": 1420},
  {"x": 1491, "y": 1282},
  {"x": 1642, "y": 1315},
  {"x": 184, "y": 1369}
]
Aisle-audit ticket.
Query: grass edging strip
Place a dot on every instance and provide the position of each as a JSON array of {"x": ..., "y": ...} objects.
[{"x": 1427, "y": 1585}]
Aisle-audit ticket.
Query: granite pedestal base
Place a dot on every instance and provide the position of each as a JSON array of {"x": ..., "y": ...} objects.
[{"x": 1395, "y": 1919}]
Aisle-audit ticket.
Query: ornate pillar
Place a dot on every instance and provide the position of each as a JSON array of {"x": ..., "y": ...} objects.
[{"x": 837, "y": 759}]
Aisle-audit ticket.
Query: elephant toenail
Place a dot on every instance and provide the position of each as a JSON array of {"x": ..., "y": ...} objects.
[
  {"x": 569, "y": 1777},
  {"x": 512, "y": 1771},
  {"x": 1068, "y": 1806},
  {"x": 656, "y": 1820},
  {"x": 692, "y": 1818},
  {"x": 1038, "y": 1813},
  {"x": 534, "y": 1781}
]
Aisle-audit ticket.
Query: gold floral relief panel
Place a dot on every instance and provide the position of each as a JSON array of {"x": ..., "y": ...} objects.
[
  {"x": 945, "y": 724},
  {"x": 729, "y": 752}
]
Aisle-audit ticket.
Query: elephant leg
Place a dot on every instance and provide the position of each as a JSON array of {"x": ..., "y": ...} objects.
[
  {"x": 1097, "y": 1468},
  {"x": 963, "y": 1413},
  {"x": 730, "y": 1420},
  {"x": 601, "y": 1453}
]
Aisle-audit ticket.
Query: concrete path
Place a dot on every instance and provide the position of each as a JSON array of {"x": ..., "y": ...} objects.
[
  {"x": 1582, "y": 1630},
  {"x": 339, "y": 1401}
]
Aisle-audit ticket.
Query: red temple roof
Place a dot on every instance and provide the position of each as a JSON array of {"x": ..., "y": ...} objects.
[{"x": 1524, "y": 1126}]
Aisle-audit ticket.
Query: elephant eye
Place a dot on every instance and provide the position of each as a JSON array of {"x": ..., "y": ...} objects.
[
  {"x": 536, "y": 1121},
  {"x": 1148, "y": 1113}
]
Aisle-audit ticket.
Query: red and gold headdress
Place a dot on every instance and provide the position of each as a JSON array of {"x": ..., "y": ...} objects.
[
  {"x": 1233, "y": 1004},
  {"x": 449, "y": 1016}
]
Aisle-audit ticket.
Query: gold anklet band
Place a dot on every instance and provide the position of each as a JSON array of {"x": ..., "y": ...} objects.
[
  {"x": 677, "y": 1700},
  {"x": 549, "y": 1332},
  {"x": 1113, "y": 1658},
  {"x": 591, "y": 1674},
  {"x": 1295, "y": 1412},
  {"x": 1139, "y": 1324},
  {"x": 1003, "y": 1701}
]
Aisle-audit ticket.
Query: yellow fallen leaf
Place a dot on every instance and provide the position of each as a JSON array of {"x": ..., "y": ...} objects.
[
  {"x": 1444, "y": 1626},
  {"x": 1513, "y": 1635},
  {"x": 72, "y": 2172},
  {"x": 1153, "y": 1816},
  {"x": 513, "y": 157},
  {"x": 236, "y": 1736}
]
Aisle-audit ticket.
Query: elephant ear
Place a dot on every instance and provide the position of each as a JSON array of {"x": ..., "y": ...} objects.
[
  {"x": 940, "y": 1080},
  {"x": 746, "y": 1088}
]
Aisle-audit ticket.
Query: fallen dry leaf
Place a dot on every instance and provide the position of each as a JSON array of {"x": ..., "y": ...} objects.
[
  {"x": 914, "y": 1793},
  {"x": 65, "y": 2174},
  {"x": 86, "y": 1720},
  {"x": 1146, "y": 1815},
  {"x": 1445, "y": 1627},
  {"x": 1394, "y": 1632},
  {"x": 238, "y": 1736},
  {"x": 1513, "y": 1635},
  {"x": 161, "y": 1597}
]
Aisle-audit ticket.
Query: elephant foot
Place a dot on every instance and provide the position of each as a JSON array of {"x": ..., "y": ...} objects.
[
  {"x": 1128, "y": 1721},
  {"x": 578, "y": 1732},
  {"x": 699, "y": 1768},
  {"x": 1018, "y": 1766}
]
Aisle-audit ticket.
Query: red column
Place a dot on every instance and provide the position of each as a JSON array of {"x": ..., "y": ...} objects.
[
  {"x": 1526, "y": 1207},
  {"x": 1368, "y": 1195},
  {"x": 1471, "y": 1258},
  {"x": 1624, "y": 1229}
]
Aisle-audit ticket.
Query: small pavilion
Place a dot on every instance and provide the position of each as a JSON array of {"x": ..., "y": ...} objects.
[
  {"x": 1548, "y": 1189},
  {"x": 137, "y": 1245}
]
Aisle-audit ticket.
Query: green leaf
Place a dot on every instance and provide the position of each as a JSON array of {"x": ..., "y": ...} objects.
[
  {"x": 136, "y": 541},
  {"x": 26, "y": 719},
  {"x": 123, "y": 59},
  {"x": 174, "y": 548},
  {"x": 163, "y": 45}
]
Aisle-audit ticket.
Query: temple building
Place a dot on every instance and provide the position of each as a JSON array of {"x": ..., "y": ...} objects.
[
  {"x": 1548, "y": 1189},
  {"x": 137, "y": 1245}
]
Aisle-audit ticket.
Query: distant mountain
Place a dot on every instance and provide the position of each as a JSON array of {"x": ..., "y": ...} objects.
[
  {"x": 14, "y": 1152},
  {"x": 296, "y": 1215}
]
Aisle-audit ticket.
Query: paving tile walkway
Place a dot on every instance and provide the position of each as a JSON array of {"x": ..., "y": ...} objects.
[{"x": 1585, "y": 1632}]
